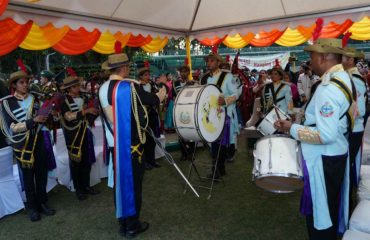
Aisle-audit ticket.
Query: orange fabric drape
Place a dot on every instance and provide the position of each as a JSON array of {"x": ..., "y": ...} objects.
[
  {"x": 12, "y": 34},
  {"x": 334, "y": 30},
  {"x": 265, "y": 39},
  {"x": 77, "y": 41},
  {"x": 139, "y": 40},
  {"x": 212, "y": 42}
]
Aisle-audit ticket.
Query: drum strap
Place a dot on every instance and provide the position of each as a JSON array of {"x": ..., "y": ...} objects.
[
  {"x": 270, "y": 87},
  {"x": 203, "y": 81},
  {"x": 221, "y": 79}
]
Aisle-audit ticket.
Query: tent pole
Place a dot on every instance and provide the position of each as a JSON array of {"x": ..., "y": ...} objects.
[{"x": 188, "y": 55}]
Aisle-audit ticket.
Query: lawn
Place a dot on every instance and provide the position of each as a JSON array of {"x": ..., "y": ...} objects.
[{"x": 237, "y": 209}]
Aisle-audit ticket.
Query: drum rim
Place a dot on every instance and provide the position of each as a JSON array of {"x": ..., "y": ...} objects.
[
  {"x": 287, "y": 175},
  {"x": 278, "y": 175},
  {"x": 275, "y": 136}
]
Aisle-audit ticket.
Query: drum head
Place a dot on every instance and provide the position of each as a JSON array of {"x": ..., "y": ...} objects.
[{"x": 211, "y": 117}]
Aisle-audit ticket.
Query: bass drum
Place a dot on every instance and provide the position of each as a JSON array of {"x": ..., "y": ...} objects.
[{"x": 197, "y": 115}]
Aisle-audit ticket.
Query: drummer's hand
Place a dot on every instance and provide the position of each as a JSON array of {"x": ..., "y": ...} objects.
[
  {"x": 221, "y": 101},
  {"x": 283, "y": 125},
  {"x": 161, "y": 94}
]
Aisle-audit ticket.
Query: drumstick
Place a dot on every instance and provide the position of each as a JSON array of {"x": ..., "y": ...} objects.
[{"x": 277, "y": 112}]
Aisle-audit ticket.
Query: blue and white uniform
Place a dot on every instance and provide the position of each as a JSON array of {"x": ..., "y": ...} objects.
[{"x": 323, "y": 136}]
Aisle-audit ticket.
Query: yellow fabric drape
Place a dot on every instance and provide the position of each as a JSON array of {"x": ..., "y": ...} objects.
[
  {"x": 155, "y": 45},
  {"x": 291, "y": 37},
  {"x": 105, "y": 44},
  {"x": 361, "y": 30},
  {"x": 237, "y": 41},
  {"x": 40, "y": 38},
  {"x": 188, "y": 55}
]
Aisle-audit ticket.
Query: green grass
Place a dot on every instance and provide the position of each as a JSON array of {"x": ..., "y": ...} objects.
[{"x": 237, "y": 209}]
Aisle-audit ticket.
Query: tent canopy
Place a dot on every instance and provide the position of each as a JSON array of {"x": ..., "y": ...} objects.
[
  {"x": 198, "y": 18},
  {"x": 73, "y": 27}
]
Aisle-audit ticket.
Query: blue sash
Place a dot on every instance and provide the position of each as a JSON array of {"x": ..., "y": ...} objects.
[{"x": 124, "y": 183}]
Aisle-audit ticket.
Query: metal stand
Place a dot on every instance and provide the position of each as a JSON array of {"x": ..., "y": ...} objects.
[
  {"x": 170, "y": 160},
  {"x": 201, "y": 179}
]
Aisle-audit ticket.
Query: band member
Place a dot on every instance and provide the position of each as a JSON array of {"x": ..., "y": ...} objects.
[
  {"x": 324, "y": 143},
  {"x": 277, "y": 93},
  {"x": 78, "y": 137},
  {"x": 47, "y": 84},
  {"x": 123, "y": 101},
  {"x": 21, "y": 123},
  {"x": 4, "y": 91},
  {"x": 349, "y": 60},
  {"x": 224, "y": 80},
  {"x": 187, "y": 148},
  {"x": 149, "y": 146}
]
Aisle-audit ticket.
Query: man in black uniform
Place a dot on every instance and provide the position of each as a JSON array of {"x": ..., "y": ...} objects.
[
  {"x": 22, "y": 125},
  {"x": 118, "y": 64},
  {"x": 78, "y": 137},
  {"x": 153, "y": 119}
]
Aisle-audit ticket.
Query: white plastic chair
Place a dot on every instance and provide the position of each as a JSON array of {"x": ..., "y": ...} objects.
[{"x": 10, "y": 198}]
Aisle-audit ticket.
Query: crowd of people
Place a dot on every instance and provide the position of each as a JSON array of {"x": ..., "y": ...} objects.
[{"x": 134, "y": 112}]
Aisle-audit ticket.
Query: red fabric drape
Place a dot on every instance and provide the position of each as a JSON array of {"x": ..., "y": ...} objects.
[
  {"x": 77, "y": 41},
  {"x": 139, "y": 40},
  {"x": 12, "y": 34}
]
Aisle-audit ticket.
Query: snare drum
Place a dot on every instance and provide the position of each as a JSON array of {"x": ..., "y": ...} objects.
[
  {"x": 266, "y": 126},
  {"x": 278, "y": 164},
  {"x": 197, "y": 115}
]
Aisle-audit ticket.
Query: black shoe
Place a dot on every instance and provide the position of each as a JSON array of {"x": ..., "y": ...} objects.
[
  {"x": 81, "y": 196},
  {"x": 230, "y": 160},
  {"x": 47, "y": 210},
  {"x": 34, "y": 215},
  {"x": 91, "y": 191},
  {"x": 142, "y": 227},
  {"x": 148, "y": 166},
  {"x": 155, "y": 165}
]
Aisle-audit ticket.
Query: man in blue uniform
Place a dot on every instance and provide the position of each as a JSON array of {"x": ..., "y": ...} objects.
[
  {"x": 324, "y": 142},
  {"x": 349, "y": 60},
  {"x": 225, "y": 81}
]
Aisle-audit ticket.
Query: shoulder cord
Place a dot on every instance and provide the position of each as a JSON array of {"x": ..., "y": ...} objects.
[
  {"x": 5, "y": 129},
  {"x": 134, "y": 97},
  {"x": 64, "y": 123}
]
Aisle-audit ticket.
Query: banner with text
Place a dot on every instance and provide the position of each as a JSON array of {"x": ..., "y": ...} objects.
[{"x": 262, "y": 62}]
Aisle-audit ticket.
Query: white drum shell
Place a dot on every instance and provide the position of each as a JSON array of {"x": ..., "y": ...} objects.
[{"x": 285, "y": 156}]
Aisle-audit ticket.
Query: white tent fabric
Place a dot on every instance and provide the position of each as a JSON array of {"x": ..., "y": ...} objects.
[
  {"x": 197, "y": 18},
  {"x": 10, "y": 199}
]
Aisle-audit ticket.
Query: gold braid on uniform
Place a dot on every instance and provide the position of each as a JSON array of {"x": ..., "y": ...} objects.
[
  {"x": 141, "y": 134},
  {"x": 309, "y": 136}
]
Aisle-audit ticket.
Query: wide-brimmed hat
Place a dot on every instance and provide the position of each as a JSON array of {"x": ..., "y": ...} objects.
[
  {"x": 115, "y": 61},
  {"x": 47, "y": 74},
  {"x": 214, "y": 56},
  {"x": 352, "y": 52},
  {"x": 70, "y": 81},
  {"x": 17, "y": 75},
  {"x": 142, "y": 70},
  {"x": 326, "y": 45}
]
